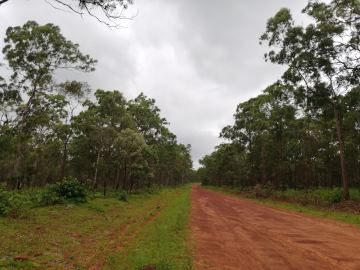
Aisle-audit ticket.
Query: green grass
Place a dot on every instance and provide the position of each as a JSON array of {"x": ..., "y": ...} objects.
[
  {"x": 99, "y": 232},
  {"x": 162, "y": 244},
  {"x": 316, "y": 212},
  {"x": 316, "y": 196},
  {"x": 310, "y": 210}
]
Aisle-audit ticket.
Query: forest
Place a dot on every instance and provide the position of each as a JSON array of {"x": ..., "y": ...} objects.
[
  {"x": 303, "y": 131},
  {"x": 51, "y": 130}
]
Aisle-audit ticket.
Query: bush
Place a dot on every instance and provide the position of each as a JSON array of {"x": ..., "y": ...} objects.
[
  {"x": 319, "y": 196},
  {"x": 122, "y": 196},
  {"x": 333, "y": 196},
  {"x": 19, "y": 205},
  {"x": 263, "y": 191},
  {"x": 153, "y": 189},
  {"x": 69, "y": 189},
  {"x": 14, "y": 204},
  {"x": 49, "y": 196},
  {"x": 4, "y": 202}
]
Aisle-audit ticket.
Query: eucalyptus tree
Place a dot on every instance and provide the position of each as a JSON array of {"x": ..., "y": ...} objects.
[
  {"x": 96, "y": 129},
  {"x": 351, "y": 108},
  {"x": 31, "y": 101},
  {"x": 147, "y": 118},
  {"x": 75, "y": 94},
  {"x": 130, "y": 146},
  {"x": 322, "y": 58},
  {"x": 51, "y": 129}
]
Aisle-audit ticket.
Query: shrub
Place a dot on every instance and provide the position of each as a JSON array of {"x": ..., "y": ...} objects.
[
  {"x": 318, "y": 196},
  {"x": 122, "y": 196},
  {"x": 4, "y": 202},
  {"x": 263, "y": 191},
  {"x": 49, "y": 196},
  {"x": 334, "y": 196},
  {"x": 19, "y": 205},
  {"x": 69, "y": 189},
  {"x": 14, "y": 204}
]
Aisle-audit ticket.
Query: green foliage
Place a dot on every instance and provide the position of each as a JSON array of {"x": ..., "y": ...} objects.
[
  {"x": 313, "y": 196},
  {"x": 4, "y": 202},
  {"x": 318, "y": 196},
  {"x": 298, "y": 205},
  {"x": 49, "y": 196},
  {"x": 14, "y": 204},
  {"x": 70, "y": 189},
  {"x": 122, "y": 195},
  {"x": 17, "y": 204},
  {"x": 302, "y": 132},
  {"x": 111, "y": 142}
]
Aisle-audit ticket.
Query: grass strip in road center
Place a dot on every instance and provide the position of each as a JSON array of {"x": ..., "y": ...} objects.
[{"x": 164, "y": 243}]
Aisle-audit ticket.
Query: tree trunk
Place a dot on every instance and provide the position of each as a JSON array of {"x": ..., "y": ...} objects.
[
  {"x": 263, "y": 166},
  {"x": 63, "y": 162},
  {"x": 125, "y": 176},
  {"x": 117, "y": 178},
  {"x": 344, "y": 176},
  {"x": 17, "y": 161},
  {"x": 96, "y": 170}
]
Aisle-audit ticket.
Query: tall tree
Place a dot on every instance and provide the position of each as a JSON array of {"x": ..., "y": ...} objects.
[
  {"x": 322, "y": 58},
  {"x": 34, "y": 53}
]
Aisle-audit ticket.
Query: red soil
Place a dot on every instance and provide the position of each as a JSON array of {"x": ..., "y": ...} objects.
[{"x": 231, "y": 233}]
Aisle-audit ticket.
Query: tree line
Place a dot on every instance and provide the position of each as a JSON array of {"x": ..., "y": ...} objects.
[
  {"x": 304, "y": 130},
  {"x": 51, "y": 130}
]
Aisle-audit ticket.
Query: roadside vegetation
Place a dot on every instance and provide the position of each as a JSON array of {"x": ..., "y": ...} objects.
[
  {"x": 299, "y": 139},
  {"x": 84, "y": 175},
  {"x": 315, "y": 202},
  {"x": 149, "y": 228},
  {"x": 51, "y": 130}
]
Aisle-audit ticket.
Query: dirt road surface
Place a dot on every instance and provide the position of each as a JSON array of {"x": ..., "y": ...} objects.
[{"x": 231, "y": 233}]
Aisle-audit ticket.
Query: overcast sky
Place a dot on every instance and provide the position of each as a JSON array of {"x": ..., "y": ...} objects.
[{"x": 198, "y": 59}]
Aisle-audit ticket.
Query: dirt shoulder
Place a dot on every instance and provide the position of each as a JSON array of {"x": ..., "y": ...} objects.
[{"x": 231, "y": 233}]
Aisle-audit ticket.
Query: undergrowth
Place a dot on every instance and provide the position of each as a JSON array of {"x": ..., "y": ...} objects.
[{"x": 322, "y": 202}]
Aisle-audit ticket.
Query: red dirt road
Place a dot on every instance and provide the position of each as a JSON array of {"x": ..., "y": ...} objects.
[{"x": 231, "y": 233}]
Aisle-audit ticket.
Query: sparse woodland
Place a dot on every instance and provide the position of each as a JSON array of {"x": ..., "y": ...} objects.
[
  {"x": 92, "y": 179},
  {"x": 52, "y": 130},
  {"x": 303, "y": 131}
]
